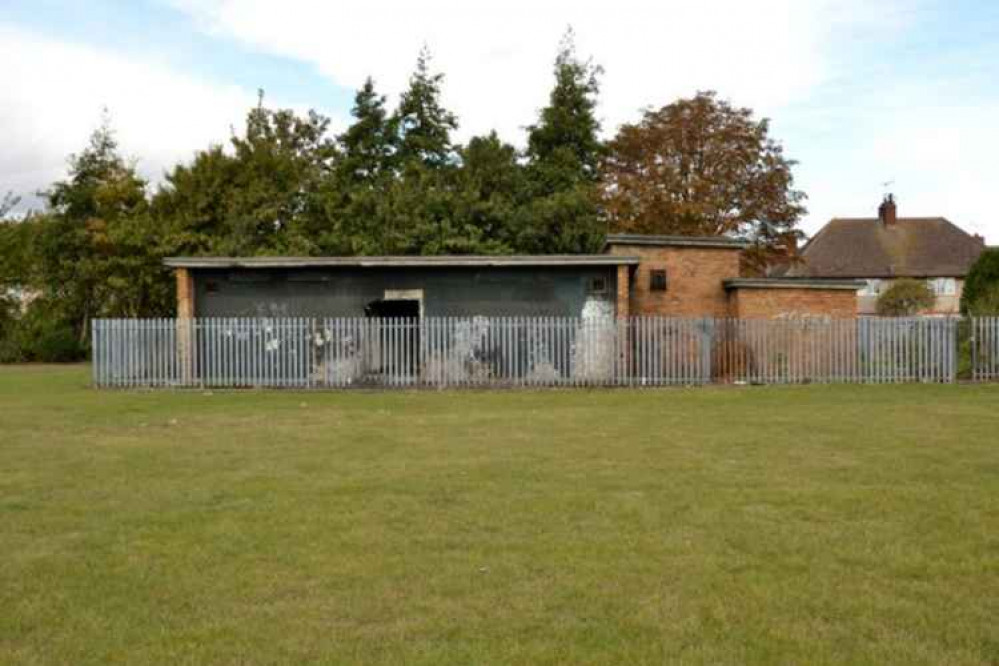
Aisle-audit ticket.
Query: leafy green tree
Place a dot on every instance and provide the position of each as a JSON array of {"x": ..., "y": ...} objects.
[
  {"x": 905, "y": 298},
  {"x": 980, "y": 297},
  {"x": 96, "y": 250},
  {"x": 13, "y": 265},
  {"x": 567, "y": 132},
  {"x": 423, "y": 124},
  {"x": 491, "y": 192},
  {"x": 195, "y": 204},
  {"x": 353, "y": 196},
  {"x": 13, "y": 246},
  {"x": 416, "y": 215},
  {"x": 563, "y": 155},
  {"x": 262, "y": 198},
  {"x": 368, "y": 145},
  {"x": 282, "y": 160},
  {"x": 466, "y": 209}
]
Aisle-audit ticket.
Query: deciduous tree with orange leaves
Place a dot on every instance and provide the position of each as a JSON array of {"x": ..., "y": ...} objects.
[{"x": 702, "y": 167}]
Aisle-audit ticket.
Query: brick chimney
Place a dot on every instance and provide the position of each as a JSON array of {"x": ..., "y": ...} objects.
[{"x": 887, "y": 212}]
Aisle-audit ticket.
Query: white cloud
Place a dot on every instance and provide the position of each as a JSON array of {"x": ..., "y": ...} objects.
[
  {"x": 50, "y": 109},
  {"x": 497, "y": 56}
]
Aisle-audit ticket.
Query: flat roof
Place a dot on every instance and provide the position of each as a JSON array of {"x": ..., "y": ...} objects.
[
  {"x": 471, "y": 261},
  {"x": 676, "y": 241},
  {"x": 792, "y": 283}
]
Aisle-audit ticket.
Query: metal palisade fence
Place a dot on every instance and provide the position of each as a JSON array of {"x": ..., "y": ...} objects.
[
  {"x": 983, "y": 346},
  {"x": 536, "y": 351}
]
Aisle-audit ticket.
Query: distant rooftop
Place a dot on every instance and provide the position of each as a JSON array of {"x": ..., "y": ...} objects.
[
  {"x": 905, "y": 247},
  {"x": 470, "y": 261},
  {"x": 676, "y": 241}
]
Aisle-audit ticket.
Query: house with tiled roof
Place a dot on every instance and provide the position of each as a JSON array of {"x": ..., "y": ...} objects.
[{"x": 882, "y": 249}]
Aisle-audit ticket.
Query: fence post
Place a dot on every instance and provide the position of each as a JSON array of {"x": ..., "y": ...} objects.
[
  {"x": 707, "y": 343},
  {"x": 973, "y": 344},
  {"x": 624, "y": 349},
  {"x": 311, "y": 330},
  {"x": 95, "y": 358},
  {"x": 954, "y": 348},
  {"x": 185, "y": 350}
]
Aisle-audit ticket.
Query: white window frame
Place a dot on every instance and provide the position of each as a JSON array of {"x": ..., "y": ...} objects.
[
  {"x": 872, "y": 288},
  {"x": 943, "y": 286}
]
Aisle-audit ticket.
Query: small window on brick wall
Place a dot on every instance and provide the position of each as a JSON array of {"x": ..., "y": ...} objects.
[{"x": 658, "y": 281}]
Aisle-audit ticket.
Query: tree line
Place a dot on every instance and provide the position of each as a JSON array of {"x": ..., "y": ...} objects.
[{"x": 394, "y": 182}]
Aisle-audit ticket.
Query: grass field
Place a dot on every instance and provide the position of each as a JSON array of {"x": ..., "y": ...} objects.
[{"x": 803, "y": 525}]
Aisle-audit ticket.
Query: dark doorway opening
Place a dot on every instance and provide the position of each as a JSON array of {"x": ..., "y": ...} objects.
[
  {"x": 402, "y": 309},
  {"x": 398, "y": 355}
]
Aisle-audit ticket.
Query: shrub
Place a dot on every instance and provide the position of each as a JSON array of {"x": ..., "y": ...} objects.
[
  {"x": 56, "y": 342},
  {"x": 40, "y": 334},
  {"x": 981, "y": 288},
  {"x": 905, "y": 298},
  {"x": 9, "y": 329}
]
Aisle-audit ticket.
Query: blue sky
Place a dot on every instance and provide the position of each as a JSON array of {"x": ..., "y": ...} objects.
[
  {"x": 860, "y": 92},
  {"x": 157, "y": 31}
]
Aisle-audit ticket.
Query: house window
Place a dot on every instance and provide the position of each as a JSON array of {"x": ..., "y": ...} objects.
[
  {"x": 597, "y": 285},
  {"x": 658, "y": 280},
  {"x": 872, "y": 288},
  {"x": 943, "y": 286}
]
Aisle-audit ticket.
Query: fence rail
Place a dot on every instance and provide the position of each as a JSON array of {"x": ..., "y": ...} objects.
[{"x": 538, "y": 351}]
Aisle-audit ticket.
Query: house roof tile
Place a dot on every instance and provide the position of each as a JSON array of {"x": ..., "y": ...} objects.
[{"x": 867, "y": 248}]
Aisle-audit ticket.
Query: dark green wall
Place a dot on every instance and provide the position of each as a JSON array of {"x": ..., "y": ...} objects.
[{"x": 448, "y": 291}]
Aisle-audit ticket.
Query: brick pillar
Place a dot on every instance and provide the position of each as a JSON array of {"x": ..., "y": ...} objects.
[
  {"x": 185, "y": 294},
  {"x": 623, "y": 312},
  {"x": 623, "y": 292},
  {"x": 185, "y": 325}
]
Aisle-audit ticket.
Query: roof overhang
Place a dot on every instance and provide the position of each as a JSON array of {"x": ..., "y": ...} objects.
[
  {"x": 677, "y": 241},
  {"x": 793, "y": 283},
  {"x": 454, "y": 261},
  {"x": 820, "y": 275}
]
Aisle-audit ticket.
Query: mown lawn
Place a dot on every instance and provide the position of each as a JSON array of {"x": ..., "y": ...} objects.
[{"x": 807, "y": 525}]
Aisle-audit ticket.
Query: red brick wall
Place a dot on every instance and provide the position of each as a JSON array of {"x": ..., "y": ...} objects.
[
  {"x": 695, "y": 280},
  {"x": 783, "y": 302}
]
